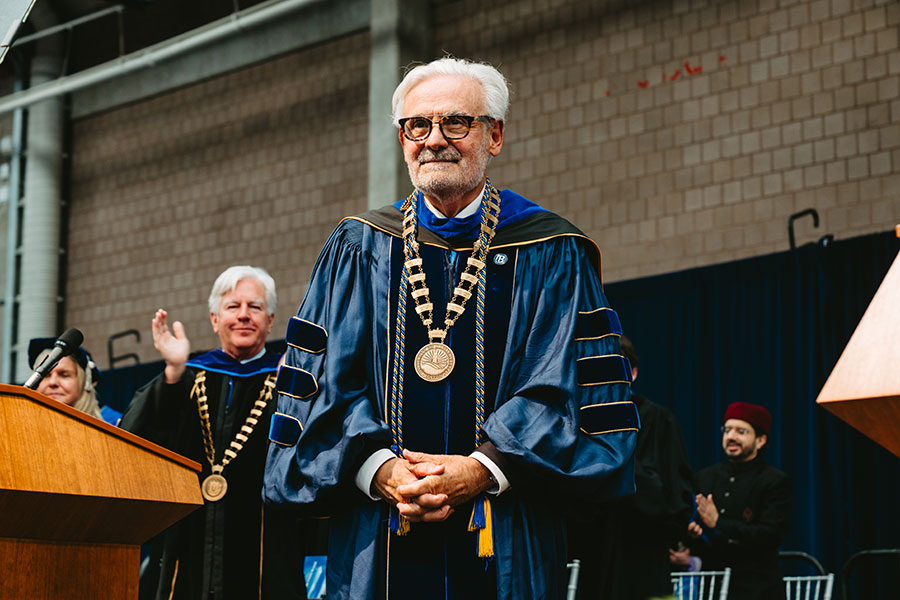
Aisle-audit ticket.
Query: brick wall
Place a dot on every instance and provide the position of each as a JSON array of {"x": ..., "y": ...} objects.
[
  {"x": 675, "y": 133},
  {"x": 255, "y": 167},
  {"x": 681, "y": 133}
]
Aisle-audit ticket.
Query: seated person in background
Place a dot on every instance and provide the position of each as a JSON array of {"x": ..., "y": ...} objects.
[
  {"x": 743, "y": 508},
  {"x": 72, "y": 381},
  {"x": 215, "y": 409}
]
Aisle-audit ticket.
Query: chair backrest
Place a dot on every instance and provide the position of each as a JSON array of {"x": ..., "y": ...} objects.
[
  {"x": 701, "y": 585},
  {"x": 785, "y": 556},
  {"x": 573, "y": 567},
  {"x": 813, "y": 587}
]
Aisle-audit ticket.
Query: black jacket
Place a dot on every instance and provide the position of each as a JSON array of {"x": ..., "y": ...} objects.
[{"x": 754, "y": 502}]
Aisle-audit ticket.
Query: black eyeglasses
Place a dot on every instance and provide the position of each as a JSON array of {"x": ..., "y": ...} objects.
[
  {"x": 453, "y": 127},
  {"x": 740, "y": 430}
]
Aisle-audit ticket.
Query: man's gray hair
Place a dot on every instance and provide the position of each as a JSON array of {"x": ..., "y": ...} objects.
[
  {"x": 493, "y": 83},
  {"x": 229, "y": 279}
]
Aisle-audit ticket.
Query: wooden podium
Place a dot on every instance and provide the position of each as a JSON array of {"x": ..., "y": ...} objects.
[
  {"x": 77, "y": 498},
  {"x": 864, "y": 386}
]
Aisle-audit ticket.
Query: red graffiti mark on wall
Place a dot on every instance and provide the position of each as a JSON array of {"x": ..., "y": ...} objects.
[{"x": 688, "y": 71}]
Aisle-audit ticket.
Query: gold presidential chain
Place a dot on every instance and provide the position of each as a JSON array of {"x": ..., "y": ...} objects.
[
  {"x": 214, "y": 486},
  {"x": 435, "y": 360}
]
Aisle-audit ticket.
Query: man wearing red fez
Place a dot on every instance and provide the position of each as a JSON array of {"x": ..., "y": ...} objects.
[{"x": 743, "y": 508}]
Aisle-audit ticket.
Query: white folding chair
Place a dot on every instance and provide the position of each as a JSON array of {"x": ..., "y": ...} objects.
[
  {"x": 701, "y": 585},
  {"x": 573, "y": 567},
  {"x": 812, "y": 587}
]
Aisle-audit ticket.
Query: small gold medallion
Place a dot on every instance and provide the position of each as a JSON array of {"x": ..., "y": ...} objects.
[
  {"x": 434, "y": 361},
  {"x": 214, "y": 487}
]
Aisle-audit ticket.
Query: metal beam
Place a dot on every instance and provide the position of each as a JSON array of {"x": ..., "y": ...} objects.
[
  {"x": 152, "y": 56},
  {"x": 68, "y": 25},
  {"x": 299, "y": 29}
]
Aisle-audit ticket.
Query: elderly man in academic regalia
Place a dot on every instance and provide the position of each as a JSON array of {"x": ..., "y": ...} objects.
[
  {"x": 453, "y": 386},
  {"x": 215, "y": 409}
]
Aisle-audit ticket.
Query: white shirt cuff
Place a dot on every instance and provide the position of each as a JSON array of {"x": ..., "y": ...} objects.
[
  {"x": 501, "y": 483},
  {"x": 367, "y": 471}
]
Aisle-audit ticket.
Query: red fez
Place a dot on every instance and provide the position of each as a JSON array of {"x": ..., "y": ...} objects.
[{"x": 756, "y": 415}]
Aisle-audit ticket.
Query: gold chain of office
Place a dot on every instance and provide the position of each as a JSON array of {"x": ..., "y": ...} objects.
[
  {"x": 435, "y": 360},
  {"x": 215, "y": 486}
]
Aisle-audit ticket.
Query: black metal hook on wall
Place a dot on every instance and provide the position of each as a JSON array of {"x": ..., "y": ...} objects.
[{"x": 823, "y": 241}]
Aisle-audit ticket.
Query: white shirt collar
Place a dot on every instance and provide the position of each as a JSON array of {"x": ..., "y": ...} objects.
[
  {"x": 261, "y": 352},
  {"x": 468, "y": 211}
]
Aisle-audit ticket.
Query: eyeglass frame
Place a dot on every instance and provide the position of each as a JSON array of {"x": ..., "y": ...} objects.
[
  {"x": 440, "y": 121},
  {"x": 740, "y": 430}
]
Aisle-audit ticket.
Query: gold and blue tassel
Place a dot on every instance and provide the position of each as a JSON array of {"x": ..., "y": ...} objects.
[
  {"x": 481, "y": 521},
  {"x": 397, "y": 523}
]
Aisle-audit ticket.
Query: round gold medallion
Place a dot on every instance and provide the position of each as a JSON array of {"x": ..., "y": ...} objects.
[
  {"x": 214, "y": 487},
  {"x": 434, "y": 361}
]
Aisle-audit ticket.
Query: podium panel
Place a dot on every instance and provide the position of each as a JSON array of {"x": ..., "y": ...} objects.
[
  {"x": 78, "y": 571},
  {"x": 864, "y": 386},
  {"x": 78, "y": 497}
]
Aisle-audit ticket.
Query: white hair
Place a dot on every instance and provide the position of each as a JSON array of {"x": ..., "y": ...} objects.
[
  {"x": 492, "y": 81},
  {"x": 232, "y": 276}
]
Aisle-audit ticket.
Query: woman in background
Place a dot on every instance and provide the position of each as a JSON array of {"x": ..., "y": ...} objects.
[{"x": 72, "y": 381}]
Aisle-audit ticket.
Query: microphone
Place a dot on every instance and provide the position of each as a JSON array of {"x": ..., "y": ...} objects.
[{"x": 64, "y": 346}]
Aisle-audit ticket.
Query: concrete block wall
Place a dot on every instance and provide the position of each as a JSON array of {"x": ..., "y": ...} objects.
[
  {"x": 677, "y": 134},
  {"x": 256, "y": 167},
  {"x": 683, "y": 133}
]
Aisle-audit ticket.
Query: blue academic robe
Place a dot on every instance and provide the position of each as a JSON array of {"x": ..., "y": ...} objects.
[{"x": 556, "y": 401}]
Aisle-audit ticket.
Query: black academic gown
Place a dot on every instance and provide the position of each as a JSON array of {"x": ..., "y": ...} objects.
[
  {"x": 644, "y": 526},
  {"x": 214, "y": 553},
  {"x": 754, "y": 502}
]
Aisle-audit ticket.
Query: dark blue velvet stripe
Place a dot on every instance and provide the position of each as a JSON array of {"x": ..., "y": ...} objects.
[
  {"x": 306, "y": 336},
  {"x": 284, "y": 429},
  {"x": 600, "y": 370},
  {"x": 596, "y": 324},
  {"x": 296, "y": 383},
  {"x": 439, "y": 417},
  {"x": 607, "y": 418},
  {"x": 220, "y": 362}
]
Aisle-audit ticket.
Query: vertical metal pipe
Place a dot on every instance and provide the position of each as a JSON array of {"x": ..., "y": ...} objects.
[
  {"x": 39, "y": 276},
  {"x": 38, "y": 297},
  {"x": 12, "y": 233}
]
